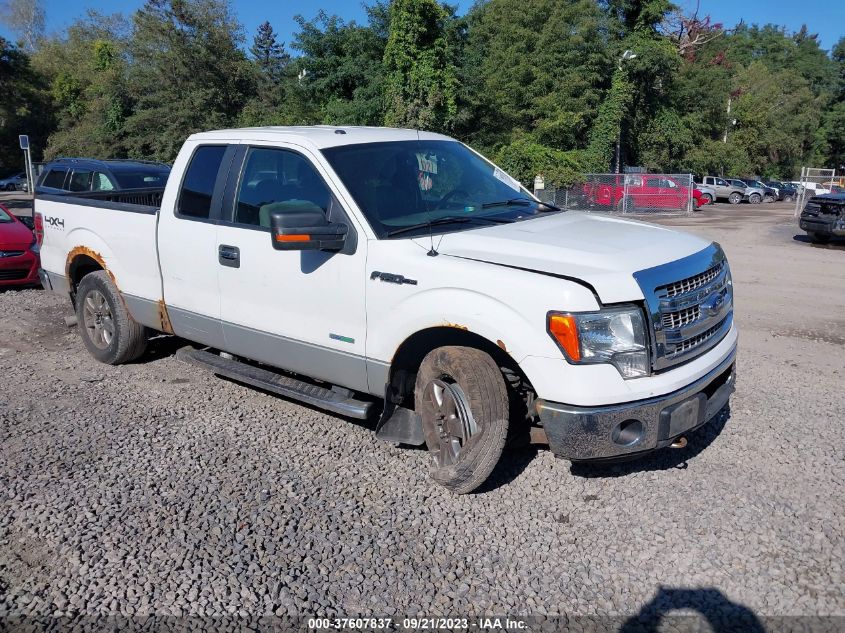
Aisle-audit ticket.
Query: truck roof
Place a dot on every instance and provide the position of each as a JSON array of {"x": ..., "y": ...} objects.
[{"x": 319, "y": 136}]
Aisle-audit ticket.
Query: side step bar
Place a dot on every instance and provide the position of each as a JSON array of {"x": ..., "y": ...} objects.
[{"x": 277, "y": 383}]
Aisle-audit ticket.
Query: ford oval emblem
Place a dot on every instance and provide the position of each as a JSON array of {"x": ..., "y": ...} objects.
[{"x": 713, "y": 303}]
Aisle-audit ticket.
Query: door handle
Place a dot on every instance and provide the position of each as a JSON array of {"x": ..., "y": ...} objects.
[{"x": 229, "y": 256}]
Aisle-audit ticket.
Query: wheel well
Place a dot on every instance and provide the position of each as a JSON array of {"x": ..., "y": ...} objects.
[
  {"x": 409, "y": 357},
  {"x": 81, "y": 266}
]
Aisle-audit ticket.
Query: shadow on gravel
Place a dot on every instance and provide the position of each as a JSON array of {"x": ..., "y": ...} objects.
[
  {"x": 722, "y": 615},
  {"x": 662, "y": 459},
  {"x": 835, "y": 244},
  {"x": 513, "y": 463}
]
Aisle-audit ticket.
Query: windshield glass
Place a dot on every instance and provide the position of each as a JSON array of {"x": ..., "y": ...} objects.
[
  {"x": 141, "y": 179},
  {"x": 4, "y": 217},
  {"x": 402, "y": 184}
]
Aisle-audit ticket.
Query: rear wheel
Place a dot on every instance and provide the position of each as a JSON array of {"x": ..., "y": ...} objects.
[
  {"x": 461, "y": 397},
  {"x": 735, "y": 198},
  {"x": 755, "y": 198},
  {"x": 787, "y": 198},
  {"x": 707, "y": 198},
  {"x": 108, "y": 330}
]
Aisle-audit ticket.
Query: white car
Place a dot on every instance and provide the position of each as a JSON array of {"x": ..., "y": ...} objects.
[
  {"x": 813, "y": 188},
  {"x": 368, "y": 269}
]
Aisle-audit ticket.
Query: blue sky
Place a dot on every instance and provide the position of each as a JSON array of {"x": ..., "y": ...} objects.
[{"x": 825, "y": 17}]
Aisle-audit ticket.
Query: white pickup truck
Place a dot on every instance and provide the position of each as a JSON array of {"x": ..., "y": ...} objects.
[{"x": 366, "y": 270}]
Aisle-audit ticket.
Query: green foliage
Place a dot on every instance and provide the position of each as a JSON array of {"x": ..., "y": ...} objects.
[
  {"x": 23, "y": 108},
  {"x": 420, "y": 89},
  {"x": 524, "y": 158},
  {"x": 538, "y": 84},
  {"x": 188, "y": 74}
]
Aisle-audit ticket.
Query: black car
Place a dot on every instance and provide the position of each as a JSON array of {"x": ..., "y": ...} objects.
[
  {"x": 81, "y": 175},
  {"x": 770, "y": 194},
  {"x": 823, "y": 217},
  {"x": 786, "y": 190}
]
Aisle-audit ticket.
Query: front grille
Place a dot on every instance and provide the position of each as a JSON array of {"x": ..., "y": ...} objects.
[
  {"x": 690, "y": 343},
  {"x": 690, "y": 305},
  {"x": 672, "y": 320},
  {"x": 693, "y": 283},
  {"x": 13, "y": 273},
  {"x": 10, "y": 254}
]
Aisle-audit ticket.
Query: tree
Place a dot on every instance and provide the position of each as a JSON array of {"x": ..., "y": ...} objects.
[
  {"x": 269, "y": 54},
  {"x": 420, "y": 88},
  {"x": 26, "y": 19},
  {"x": 86, "y": 72},
  {"x": 188, "y": 73},
  {"x": 24, "y": 107}
]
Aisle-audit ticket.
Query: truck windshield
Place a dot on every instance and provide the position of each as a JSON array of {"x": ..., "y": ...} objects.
[
  {"x": 4, "y": 217},
  {"x": 407, "y": 187}
]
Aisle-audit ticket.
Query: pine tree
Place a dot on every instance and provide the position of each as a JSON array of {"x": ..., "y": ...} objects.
[{"x": 269, "y": 54}]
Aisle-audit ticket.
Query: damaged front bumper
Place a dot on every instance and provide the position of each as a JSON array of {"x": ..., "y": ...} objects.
[{"x": 633, "y": 428}]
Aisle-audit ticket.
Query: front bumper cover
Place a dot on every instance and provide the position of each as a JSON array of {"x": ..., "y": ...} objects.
[{"x": 628, "y": 429}]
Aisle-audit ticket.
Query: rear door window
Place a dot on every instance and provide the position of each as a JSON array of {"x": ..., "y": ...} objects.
[
  {"x": 198, "y": 184},
  {"x": 101, "y": 182},
  {"x": 55, "y": 178},
  {"x": 80, "y": 180}
]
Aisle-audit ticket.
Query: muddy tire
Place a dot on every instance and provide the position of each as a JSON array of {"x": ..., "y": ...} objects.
[
  {"x": 755, "y": 198},
  {"x": 735, "y": 198},
  {"x": 768, "y": 199},
  {"x": 108, "y": 331},
  {"x": 460, "y": 394},
  {"x": 787, "y": 198}
]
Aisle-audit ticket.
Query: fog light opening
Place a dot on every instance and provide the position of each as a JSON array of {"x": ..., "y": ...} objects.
[{"x": 627, "y": 432}]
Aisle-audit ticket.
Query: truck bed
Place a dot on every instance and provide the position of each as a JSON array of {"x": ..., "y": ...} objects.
[{"x": 111, "y": 228}]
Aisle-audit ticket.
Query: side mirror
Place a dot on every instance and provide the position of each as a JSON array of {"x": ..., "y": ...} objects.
[{"x": 299, "y": 225}]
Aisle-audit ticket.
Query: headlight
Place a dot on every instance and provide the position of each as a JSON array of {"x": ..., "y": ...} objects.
[{"x": 616, "y": 336}]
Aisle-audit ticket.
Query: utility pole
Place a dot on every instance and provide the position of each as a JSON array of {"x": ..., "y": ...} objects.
[{"x": 617, "y": 159}]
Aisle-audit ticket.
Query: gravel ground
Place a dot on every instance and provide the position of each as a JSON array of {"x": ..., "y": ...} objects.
[{"x": 157, "y": 489}]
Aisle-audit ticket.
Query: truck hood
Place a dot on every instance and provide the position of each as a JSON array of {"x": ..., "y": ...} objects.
[{"x": 604, "y": 252}]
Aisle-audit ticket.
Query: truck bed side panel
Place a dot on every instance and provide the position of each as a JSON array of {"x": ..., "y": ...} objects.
[{"x": 124, "y": 242}]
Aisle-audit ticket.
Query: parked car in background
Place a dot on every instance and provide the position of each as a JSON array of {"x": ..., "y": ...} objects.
[
  {"x": 629, "y": 192},
  {"x": 770, "y": 194},
  {"x": 18, "y": 253},
  {"x": 80, "y": 175},
  {"x": 707, "y": 194},
  {"x": 724, "y": 189},
  {"x": 786, "y": 191},
  {"x": 16, "y": 182},
  {"x": 811, "y": 188},
  {"x": 754, "y": 195},
  {"x": 823, "y": 217}
]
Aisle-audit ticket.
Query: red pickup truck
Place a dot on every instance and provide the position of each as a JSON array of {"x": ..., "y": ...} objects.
[{"x": 628, "y": 192}]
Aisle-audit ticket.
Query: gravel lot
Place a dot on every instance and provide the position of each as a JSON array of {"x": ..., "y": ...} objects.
[{"x": 156, "y": 489}]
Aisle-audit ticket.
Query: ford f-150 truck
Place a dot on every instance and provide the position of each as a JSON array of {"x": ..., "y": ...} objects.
[{"x": 395, "y": 272}]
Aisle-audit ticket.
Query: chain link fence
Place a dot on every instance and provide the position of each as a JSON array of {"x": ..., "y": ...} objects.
[
  {"x": 626, "y": 194},
  {"x": 813, "y": 182}
]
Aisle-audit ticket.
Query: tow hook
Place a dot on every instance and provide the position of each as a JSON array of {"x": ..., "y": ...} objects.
[{"x": 679, "y": 442}]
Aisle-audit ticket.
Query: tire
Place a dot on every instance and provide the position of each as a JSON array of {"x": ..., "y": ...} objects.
[
  {"x": 768, "y": 199},
  {"x": 819, "y": 238},
  {"x": 708, "y": 199},
  {"x": 787, "y": 198},
  {"x": 108, "y": 331},
  {"x": 465, "y": 386},
  {"x": 755, "y": 198},
  {"x": 735, "y": 198}
]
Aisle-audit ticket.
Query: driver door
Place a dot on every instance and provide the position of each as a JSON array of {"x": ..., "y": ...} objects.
[{"x": 298, "y": 310}]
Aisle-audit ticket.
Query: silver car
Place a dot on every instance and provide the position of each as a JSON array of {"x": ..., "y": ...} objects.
[{"x": 754, "y": 195}]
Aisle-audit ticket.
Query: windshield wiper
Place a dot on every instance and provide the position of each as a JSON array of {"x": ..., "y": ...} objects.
[
  {"x": 451, "y": 219},
  {"x": 520, "y": 201},
  {"x": 506, "y": 203}
]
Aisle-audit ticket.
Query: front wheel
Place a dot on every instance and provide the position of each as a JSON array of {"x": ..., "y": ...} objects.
[
  {"x": 108, "y": 330},
  {"x": 708, "y": 199},
  {"x": 787, "y": 198},
  {"x": 735, "y": 198},
  {"x": 755, "y": 198},
  {"x": 768, "y": 199},
  {"x": 461, "y": 397}
]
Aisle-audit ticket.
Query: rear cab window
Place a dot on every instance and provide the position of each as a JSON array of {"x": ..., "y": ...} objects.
[{"x": 197, "y": 191}]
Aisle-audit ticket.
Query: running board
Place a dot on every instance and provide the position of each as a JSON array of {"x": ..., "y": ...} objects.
[{"x": 277, "y": 383}]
